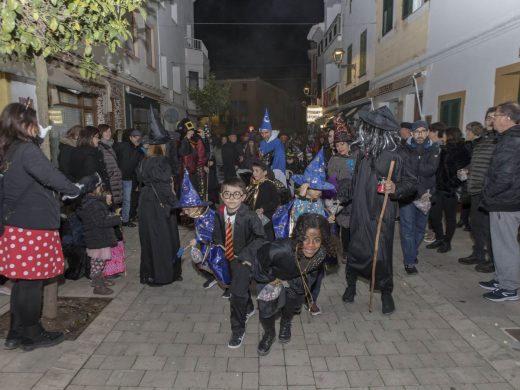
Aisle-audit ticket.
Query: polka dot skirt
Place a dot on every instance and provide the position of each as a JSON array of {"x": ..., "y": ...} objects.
[{"x": 30, "y": 254}]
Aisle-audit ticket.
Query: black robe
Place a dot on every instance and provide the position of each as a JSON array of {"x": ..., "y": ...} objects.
[
  {"x": 366, "y": 207},
  {"x": 158, "y": 231}
]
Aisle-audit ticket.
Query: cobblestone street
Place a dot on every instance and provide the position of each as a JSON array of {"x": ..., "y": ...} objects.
[{"x": 443, "y": 335}]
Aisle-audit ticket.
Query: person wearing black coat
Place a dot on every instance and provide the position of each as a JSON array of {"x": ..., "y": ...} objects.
[
  {"x": 67, "y": 148},
  {"x": 422, "y": 157},
  {"x": 501, "y": 197},
  {"x": 292, "y": 264},
  {"x": 87, "y": 158},
  {"x": 129, "y": 155},
  {"x": 158, "y": 231},
  {"x": 231, "y": 157},
  {"x": 30, "y": 244},
  {"x": 98, "y": 232},
  {"x": 454, "y": 156}
]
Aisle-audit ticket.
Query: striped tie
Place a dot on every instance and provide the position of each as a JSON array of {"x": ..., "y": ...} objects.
[{"x": 230, "y": 252}]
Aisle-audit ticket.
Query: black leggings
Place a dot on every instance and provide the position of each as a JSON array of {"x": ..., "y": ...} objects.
[{"x": 26, "y": 307}]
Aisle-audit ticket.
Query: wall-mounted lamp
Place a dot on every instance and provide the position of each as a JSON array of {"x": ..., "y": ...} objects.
[{"x": 337, "y": 57}]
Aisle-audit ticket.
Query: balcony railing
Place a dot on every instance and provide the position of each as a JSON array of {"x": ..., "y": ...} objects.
[{"x": 196, "y": 44}]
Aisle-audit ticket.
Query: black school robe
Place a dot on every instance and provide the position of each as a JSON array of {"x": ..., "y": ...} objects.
[
  {"x": 366, "y": 207},
  {"x": 158, "y": 231}
]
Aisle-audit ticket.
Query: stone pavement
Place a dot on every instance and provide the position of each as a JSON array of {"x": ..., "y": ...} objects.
[{"x": 442, "y": 336}]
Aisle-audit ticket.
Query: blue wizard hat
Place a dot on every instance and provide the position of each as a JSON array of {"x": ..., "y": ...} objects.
[
  {"x": 266, "y": 123},
  {"x": 315, "y": 174},
  {"x": 189, "y": 196}
]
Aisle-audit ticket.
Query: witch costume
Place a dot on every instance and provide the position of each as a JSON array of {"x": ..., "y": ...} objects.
[
  {"x": 158, "y": 231},
  {"x": 378, "y": 138}
]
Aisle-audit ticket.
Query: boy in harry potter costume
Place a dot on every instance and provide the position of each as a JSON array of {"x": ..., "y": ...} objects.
[
  {"x": 378, "y": 139},
  {"x": 240, "y": 232}
]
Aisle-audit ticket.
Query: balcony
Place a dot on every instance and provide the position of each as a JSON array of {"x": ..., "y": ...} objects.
[{"x": 196, "y": 44}]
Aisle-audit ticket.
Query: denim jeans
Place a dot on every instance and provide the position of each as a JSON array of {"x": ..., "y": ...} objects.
[
  {"x": 412, "y": 225},
  {"x": 127, "y": 196}
]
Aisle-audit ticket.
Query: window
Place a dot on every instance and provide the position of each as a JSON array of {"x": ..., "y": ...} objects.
[
  {"x": 176, "y": 76},
  {"x": 451, "y": 108},
  {"x": 349, "y": 61},
  {"x": 363, "y": 53},
  {"x": 350, "y": 7},
  {"x": 164, "y": 72},
  {"x": 175, "y": 11},
  {"x": 410, "y": 6},
  {"x": 150, "y": 47},
  {"x": 131, "y": 44},
  {"x": 193, "y": 80},
  {"x": 388, "y": 16},
  {"x": 335, "y": 30}
]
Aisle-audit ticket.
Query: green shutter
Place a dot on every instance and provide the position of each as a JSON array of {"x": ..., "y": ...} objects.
[
  {"x": 363, "y": 53},
  {"x": 407, "y": 8}
]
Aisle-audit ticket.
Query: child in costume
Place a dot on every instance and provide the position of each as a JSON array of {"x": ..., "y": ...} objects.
[{"x": 214, "y": 267}]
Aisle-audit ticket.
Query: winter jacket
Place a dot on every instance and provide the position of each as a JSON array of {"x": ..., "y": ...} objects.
[
  {"x": 501, "y": 190},
  {"x": 423, "y": 160},
  {"x": 231, "y": 152},
  {"x": 275, "y": 146},
  {"x": 480, "y": 159},
  {"x": 128, "y": 158},
  {"x": 30, "y": 180},
  {"x": 67, "y": 148},
  {"x": 86, "y": 161},
  {"x": 113, "y": 171},
  {"x": 454, "y": 156},
  {"x": 98, "y": 222}
]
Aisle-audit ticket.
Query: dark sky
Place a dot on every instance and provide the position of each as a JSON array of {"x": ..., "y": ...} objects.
[{"x": 275, "y": 53}]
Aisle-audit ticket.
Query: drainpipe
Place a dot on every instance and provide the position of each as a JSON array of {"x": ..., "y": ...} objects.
[{"x": 414, "y": 78}]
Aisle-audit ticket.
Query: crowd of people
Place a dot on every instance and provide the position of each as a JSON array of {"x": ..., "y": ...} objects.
[{"x": 264, "y": 206}]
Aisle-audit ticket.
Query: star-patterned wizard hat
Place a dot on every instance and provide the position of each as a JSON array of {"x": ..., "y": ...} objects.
[
  {"x": 189, "y": 196},
  {"x": 315, "y": 174},
  {"x": 266, "y": 123}
]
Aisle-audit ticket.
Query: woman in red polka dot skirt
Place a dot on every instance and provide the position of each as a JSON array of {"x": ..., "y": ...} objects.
[{"x": 30, "y": 247}]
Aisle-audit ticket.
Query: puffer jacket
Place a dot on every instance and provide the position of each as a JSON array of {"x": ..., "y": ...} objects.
[
  {"x": 114, "y": 173},
  {"x": 98, "y": 223},
  {"x": 501, "y": 190},
  {"x": 481, "y": 158}
]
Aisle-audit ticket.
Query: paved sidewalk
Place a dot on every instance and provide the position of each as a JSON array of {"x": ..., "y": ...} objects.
[{"x": 442, "y": 336}]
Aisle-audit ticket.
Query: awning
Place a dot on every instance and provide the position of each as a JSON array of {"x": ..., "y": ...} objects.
[
  {"x": 57, "y": 76},
  {"x": 348, "y": 110}
]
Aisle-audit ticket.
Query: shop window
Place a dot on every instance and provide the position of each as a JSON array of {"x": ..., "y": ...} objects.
[
  {"x": 150, "y": 46},
  {"x": 349, "y": 61},
  {"x": 363, "y": 53},
  {"x": 451, "y": 108},
  {"x": 410, "y": 6},
  {"x": 388, "y": 16}
]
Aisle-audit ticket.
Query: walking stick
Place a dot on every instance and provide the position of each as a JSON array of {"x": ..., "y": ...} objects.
[{"x": 378, "y": 233}]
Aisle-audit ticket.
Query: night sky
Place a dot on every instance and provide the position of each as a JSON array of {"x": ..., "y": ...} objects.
[{"x": 275, "y": 53}]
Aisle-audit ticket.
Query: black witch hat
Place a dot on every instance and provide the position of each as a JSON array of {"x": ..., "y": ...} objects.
[
  {"x": 158, "y": 134},
  {"x": 382, "y": 118}
]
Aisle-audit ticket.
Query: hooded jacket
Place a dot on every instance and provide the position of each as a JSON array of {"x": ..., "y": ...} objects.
[
  {"x": 98, "y": 223},
  {"x": 502, "y": 182}
]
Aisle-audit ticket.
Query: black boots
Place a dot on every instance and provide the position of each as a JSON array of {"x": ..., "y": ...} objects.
[
  {"x": 350, "y": 291},
  {"x": 387, "y": 303},
  {"x": 14, "y": 337},
  {"x": 264, "y": 346},
  {"x": 444, "y": 247},
  {"x": 436, "y": 244},
  {"x": 285, "y": 329}
]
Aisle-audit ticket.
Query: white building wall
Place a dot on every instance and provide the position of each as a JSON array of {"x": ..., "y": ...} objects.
[
  {"x": 464, "y": 52},
  {"x": 332, "y": 8}
]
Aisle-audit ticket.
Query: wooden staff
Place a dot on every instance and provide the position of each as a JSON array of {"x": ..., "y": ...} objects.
[{"x": 378, "y": 234}]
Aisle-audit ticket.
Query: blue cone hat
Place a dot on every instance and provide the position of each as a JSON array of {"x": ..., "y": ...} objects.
[
  {"x": 315, "y": 174},
  {"x": 266, "y": 123},
  {"x": 158, "y": 134},
  {"x": 189, "y": 196}
]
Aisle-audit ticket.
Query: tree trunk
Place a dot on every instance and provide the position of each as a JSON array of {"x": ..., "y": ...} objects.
[{"x": 50, "y": 291}]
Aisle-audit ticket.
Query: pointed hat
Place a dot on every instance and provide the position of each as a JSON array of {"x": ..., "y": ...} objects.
[
  {"x": 266, "y": 123},
  {"x": 158, "y": 134},
  {"x": 189, "y": 196},
  {"x": 315, "y": 174}
]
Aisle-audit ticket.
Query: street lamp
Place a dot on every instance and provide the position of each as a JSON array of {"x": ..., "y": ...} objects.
[{"x": 337, "y": 57}]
